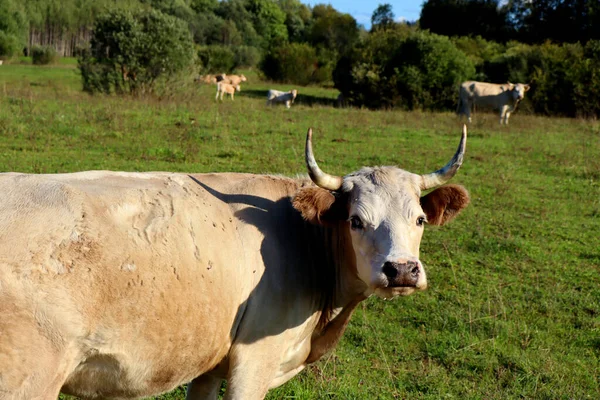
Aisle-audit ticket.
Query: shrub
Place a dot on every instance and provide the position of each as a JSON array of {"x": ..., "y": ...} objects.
[
  {"x": 9, "y": 45},
  {"x": 130, "y": 51},
  {"x": 247, "y": 56},
  {"x": 43, "y": 55},
  {"x": 292, "y": 63},
  {"x": 217, "y": 59},
  {"x": 413, "y": 70}
]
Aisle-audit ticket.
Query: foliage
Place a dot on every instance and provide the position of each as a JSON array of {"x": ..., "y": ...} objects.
[
  {"x": 216, "y": 59},
  {"x": 9, "y": 44},
  {"x": 333, "y": 30},
  {"x": 570, "y": 21},
  {"x": 247, "y": 56},
  {"x": 412, "y": 70},
  {"x": 479, "y": 51},
  {"x": 383, "y": 17},
  {"x": 42, "y": 55},
  {"x": 483, "y": 18},
  {"x": 292, "y": 63},
  {"x": 13, "y": 27},
  {"x": 130, "y": 51}
]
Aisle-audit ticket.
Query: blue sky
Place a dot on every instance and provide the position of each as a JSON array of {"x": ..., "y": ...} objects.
[{"x": 362, "y": 10}]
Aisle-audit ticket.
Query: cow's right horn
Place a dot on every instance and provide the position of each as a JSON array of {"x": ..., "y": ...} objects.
[
  {"x": 320, "y": 178},
  {"x": 443, "y": 175}
]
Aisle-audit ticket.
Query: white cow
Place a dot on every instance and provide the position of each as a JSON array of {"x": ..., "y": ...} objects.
[
  {"x": 277, "y": 96},
  {"x": 503, "y": 97}
]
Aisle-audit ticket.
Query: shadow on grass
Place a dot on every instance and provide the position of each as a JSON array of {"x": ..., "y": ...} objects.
[{"x": 303, "y": 99}]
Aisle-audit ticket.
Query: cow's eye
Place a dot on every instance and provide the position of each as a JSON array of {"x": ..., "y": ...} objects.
[
  {"x": 355, "y": 222},
  {"x": 421, "y": 221}
]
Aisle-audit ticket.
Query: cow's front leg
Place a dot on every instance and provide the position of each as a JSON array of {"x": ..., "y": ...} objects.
[
  {"x": 503, "y": 115},
  {"x": 204, "y": 387},
  {"x": 251, "y": 371}
]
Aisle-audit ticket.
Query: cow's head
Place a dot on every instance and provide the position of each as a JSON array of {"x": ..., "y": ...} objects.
[
  {"x": 385, "y": 213},
  {"x": 518, "y": 90}
]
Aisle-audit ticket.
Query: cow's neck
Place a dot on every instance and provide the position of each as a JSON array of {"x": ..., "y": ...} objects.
[{"x": 344, "y": 294}]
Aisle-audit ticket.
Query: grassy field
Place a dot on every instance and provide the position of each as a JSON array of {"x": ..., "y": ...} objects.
[{"x": 513, "y": 305}]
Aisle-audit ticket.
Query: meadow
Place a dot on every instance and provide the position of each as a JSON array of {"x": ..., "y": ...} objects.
[{"x": 513, "y": 305}]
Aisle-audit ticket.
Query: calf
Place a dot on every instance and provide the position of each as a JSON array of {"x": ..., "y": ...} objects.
[{"x": 226, "y": 88}]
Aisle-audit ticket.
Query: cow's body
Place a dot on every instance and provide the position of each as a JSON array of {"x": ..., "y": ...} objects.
[
  {"x": 277, "y": 96},
  {"x": 122, "y": 285},
  {"x": 223, "y": 88},
  {"x": 502, "y": 97}
]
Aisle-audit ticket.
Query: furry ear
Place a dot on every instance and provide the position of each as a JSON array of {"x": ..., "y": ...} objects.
[
  {"x": 444, "y": 203},
  {"x": 319, "y": 206},
  {"x": 527, "y": 87}
]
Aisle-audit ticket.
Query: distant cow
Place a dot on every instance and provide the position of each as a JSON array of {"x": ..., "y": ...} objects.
[
  {"x": 206, "y": 79},
  {"x": 223, "y": 88},
  {"x": 121, "y": 285},
  {"x": 503, "y": 97},
  {"x": 231, "y": 79},
  {"x": 1, "y": 61},
  {"x": 277, "y": 96}
]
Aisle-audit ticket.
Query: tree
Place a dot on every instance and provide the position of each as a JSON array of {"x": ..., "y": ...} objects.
[
  {"x": 536, "y": 21},
  {"x": 130, "y": 51},
  {"x": 382, "y": 17},
  {"x": 486, "y": 18},
  {"x": 12, "y": 28}
]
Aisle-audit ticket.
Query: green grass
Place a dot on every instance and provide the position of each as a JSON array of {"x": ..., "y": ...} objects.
[{"x": 513, "y": 305}]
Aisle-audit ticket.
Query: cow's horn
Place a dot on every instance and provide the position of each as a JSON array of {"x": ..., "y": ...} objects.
[
  {"x": 320, "y": 178},
  {"x": 441, "y": 176}
]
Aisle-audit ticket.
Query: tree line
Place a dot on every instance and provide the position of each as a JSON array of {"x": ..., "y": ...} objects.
[{"x": 552, "y": 44}]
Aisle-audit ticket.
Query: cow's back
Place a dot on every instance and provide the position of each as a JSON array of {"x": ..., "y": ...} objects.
[{"x": 132, "y": 272}]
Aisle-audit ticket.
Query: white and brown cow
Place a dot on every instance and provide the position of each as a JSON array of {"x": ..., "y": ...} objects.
[
  {"x": 118, "y": 285},
  {"x": 502, "y": 97}
]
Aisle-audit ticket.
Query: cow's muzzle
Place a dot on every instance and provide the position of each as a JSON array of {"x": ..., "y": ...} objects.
[{"x": 404, "y": 274}]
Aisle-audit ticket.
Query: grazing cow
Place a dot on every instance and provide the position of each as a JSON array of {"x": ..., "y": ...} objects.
[
  {"x": 233, "y": 79},
  {"x": 226, "y": 88},
  {"x": 1, "y": 62},
  {"x": 503, "y": 97},
  {"x": 124, "y": 285},
  {"x": 277, "y": 96},
  {"x": 206, "y": 79}
]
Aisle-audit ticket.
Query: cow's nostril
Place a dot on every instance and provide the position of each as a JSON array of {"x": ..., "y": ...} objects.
[
  {"x": 389, "y": 270},
  {"x": 415, "y": 271}
]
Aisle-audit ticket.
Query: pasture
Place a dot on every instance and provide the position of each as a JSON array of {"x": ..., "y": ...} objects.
[{"x": 513, "y": 305}]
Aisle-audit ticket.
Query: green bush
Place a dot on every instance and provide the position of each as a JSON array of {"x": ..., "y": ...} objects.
[
  {"x": 247, "y": 56},
  {"x": 130, "y": 51},
  {"x": 217, "y": 59},
  {"x": 43, "y": 55},
  {"x": 479, "y": 51},
  {"x": 293, "y": 63},
  {"x": 412, "y": 70},
  {"x": 9, "y": 45}
]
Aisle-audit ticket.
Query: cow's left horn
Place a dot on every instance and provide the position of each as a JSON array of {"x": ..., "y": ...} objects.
[
  {"x": 441, "y": 176},
  {"x": 320, "y": 178}
]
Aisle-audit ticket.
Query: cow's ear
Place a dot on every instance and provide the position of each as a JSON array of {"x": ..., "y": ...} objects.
[
  {"x": 527, "y": 87},
  {"x": 444, "y": 203},
  {"x": 320, "y": 206}
]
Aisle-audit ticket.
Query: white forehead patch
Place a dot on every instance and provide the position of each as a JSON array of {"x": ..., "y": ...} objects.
[{"x": 375, "y": 191}]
